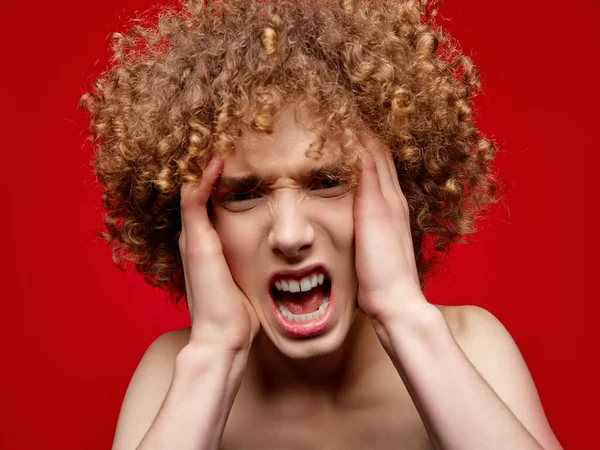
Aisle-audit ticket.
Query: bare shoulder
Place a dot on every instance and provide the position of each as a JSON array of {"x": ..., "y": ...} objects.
[
  {"x": 465, "y": 320},
  {"x": 453, "y": 316},
  {"x": 493, "y": 352},
  {"x": 148, "y": 388},
  {"x": 477, "y": 331}
]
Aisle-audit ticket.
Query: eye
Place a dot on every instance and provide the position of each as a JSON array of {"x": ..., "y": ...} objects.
[
  {"x": 327, "y": 183},
  {"x": 239, "y": 196}
]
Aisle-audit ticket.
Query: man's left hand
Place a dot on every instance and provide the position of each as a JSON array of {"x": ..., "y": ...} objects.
[{"x": 388, "y": 281}]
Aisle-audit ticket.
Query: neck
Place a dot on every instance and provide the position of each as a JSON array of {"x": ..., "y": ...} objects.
[{"x": 325, "y": 375}]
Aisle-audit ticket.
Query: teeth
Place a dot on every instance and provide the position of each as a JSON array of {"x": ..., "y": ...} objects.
[
  {"x": 305, "y": 284},
  {"x": 304, "y": 317},
  {"x": 314, "y": 281},
  {"x": 294, "y": 286}
]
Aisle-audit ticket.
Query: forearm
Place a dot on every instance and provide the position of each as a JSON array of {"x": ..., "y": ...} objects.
[
  {"x": 193, "y": 414},
  {"x": 458, "y": 407}
]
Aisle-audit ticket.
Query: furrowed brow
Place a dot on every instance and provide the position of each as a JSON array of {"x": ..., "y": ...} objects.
[
  {"x": 243, "y": 182},
  {"x": 325, "y": 172},
  {"x": 250, "y": 181}
]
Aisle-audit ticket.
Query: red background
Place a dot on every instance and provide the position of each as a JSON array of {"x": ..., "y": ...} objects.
[{"x": 76, "y": 327}]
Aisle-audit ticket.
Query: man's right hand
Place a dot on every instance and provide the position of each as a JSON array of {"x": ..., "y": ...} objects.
[
  {"x": 193, "y": 403},
  {"x": 222, "y": 316}
]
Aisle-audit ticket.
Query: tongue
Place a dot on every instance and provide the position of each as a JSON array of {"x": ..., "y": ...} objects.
[{"x": 303, "y": 302}]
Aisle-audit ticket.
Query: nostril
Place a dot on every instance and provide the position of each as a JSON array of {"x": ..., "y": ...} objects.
[
  {"x": 291, "y": 253},
  {"x": 291, "y": 243}
]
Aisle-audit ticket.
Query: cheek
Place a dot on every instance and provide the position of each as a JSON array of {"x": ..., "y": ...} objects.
[
  {"x": 236, "y": 242},
  {"x": 338, "y": 219}
]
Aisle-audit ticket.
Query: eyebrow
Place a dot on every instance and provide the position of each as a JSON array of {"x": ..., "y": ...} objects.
[
  {"x": 243, "y": 182},
  {"x": 253, "y": 181}
]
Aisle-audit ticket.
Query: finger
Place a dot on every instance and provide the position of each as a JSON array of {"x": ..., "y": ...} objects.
[
  {"x": 369, "y": 191},
  {"x": 182, "y": 251},
  {"x": 379, "y": 153},
  {"x": 390, "y": 184},
  {"x": 194, "y": 198},
  {"x": 400, "y": 202},
  {"x": 393, "y": 173}
]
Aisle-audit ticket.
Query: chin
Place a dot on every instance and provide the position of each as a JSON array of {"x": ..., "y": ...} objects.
[{"x": 302, "y": 343}]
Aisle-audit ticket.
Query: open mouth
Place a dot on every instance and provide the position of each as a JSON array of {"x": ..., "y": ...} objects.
[{"x": 302, "y": 301}]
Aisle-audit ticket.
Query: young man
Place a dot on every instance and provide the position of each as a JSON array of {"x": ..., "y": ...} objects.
[{"x": 281, "y": 164}]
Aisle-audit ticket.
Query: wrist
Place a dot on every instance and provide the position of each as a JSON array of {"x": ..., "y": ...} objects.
[
  {"x": 204, "y": 337},
  {"x": 411, "y": 321},
  {"x": 404, "y": 310},
  {"x": 202, "y": 356},
  {"x": 193, "y": 414}
]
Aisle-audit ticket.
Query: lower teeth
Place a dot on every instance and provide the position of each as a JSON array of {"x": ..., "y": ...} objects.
[{"x": 304, "y": 317}]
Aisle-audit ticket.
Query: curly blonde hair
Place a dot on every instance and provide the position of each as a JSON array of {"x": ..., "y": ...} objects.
[{"x": 179, "y": 90}]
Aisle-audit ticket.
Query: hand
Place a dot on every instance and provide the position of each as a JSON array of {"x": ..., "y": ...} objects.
[
  {"x": 220, "y": 312},
  {"x": 388, "y": 281}
]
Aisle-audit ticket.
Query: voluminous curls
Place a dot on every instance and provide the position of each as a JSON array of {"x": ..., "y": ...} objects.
[{"x": 179, "y": 89}]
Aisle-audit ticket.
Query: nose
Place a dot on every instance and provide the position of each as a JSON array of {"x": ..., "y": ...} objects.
[{"x": 292, "y": 233}]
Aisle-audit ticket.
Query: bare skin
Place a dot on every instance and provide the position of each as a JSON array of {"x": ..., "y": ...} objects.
[
  {"x": 370, "y": 409},
  {"x": 366, "y": 405},
  {"x": 234, "y": 380}
]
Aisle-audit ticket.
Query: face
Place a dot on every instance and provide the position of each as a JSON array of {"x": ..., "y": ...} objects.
[{"x": 288, "y": 216}]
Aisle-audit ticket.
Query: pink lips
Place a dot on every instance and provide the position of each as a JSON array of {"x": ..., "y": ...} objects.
[{"x": 309, "y": 328}]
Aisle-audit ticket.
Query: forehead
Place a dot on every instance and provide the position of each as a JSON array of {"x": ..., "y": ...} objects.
[{"x": 282, "y": 153}]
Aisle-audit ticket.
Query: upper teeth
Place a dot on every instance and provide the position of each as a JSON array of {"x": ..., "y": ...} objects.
[{"x": 305, "y": 284}]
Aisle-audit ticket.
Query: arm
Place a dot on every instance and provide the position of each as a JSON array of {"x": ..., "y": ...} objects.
[
  {"x": 193, "y": 415},
  {"x": 179, "y": 397},
  {"x": 207, "y": 372},
  {"x": 459, "y": 409},
  {"x": 457, "y": 405}
]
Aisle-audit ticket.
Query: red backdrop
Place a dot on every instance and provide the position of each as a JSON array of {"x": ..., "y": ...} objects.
[{"x": 76, "y": 327}]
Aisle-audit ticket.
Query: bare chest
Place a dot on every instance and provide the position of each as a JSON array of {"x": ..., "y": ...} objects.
[{"x": 382, "y": 423}]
